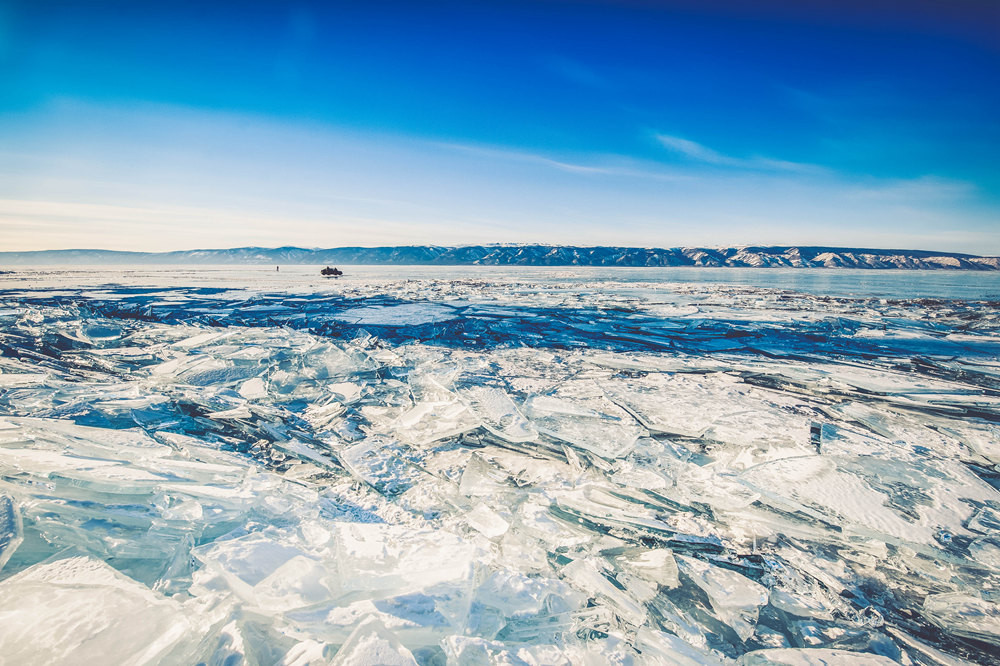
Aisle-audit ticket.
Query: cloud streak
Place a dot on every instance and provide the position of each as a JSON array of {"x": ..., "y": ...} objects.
[{"x": 696, "y": 152}]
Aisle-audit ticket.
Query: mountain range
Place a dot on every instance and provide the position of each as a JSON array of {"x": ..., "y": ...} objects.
[{"x": 528, "y": 255}]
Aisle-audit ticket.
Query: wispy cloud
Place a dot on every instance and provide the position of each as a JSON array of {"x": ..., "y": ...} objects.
[
  {"x": 692, "y": 150},
  {"x": 599, "y": 165}
]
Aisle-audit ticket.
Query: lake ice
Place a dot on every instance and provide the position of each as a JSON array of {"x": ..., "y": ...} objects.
[{"x": 499, "y": 467}]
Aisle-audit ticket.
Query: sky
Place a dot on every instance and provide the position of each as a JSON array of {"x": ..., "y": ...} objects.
[{"x": 164, "y": 126}]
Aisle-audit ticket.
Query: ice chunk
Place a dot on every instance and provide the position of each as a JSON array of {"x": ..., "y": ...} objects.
[
  {"x": 79, "y": 610},
  {"x": 928, "y": 653},
  {"x": 241, "y": 412},
  {"x": 253, "y": 388},
  {"x": 247, "y": 561},
  {"x": 371, "y": 644},
  {"x": 599, "y": 509},
  {"x": 499, "y": 414},
  {"x": 964, "y": 615},
  {"x": 588, "y": 576},
  {"x": 348, "y": 391},
  {"x": 812, "y": 657},
  {"x": 986, "y": 520},
  {"x": 517, "y": 595},
  {"x": 716, "y": 406},
  {"x": 10, "y": 380},
  {"x": 659, "y": 647},
  {"x": 305, "y": 452},
  {"x": 656, "y": 565},
  {"x": 378, "y": 559},
  {"x": 480, "y": 478},
  {"x": 801, "y": 605},
  {"x": 11, "y": 529},
  {"x": 306, "y": 653},
  {"x": 487, "y": 521},
  {"x": 378, "y": 462},
  {"x": 431, "y": 420},
  {"x": 589, "y": 422},
  {"x": 735, "y": 598},
  {"x": 300, "y": 581},
  {"x": 872, "y": 496}
]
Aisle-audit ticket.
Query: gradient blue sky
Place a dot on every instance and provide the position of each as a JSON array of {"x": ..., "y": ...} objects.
[{"x": 160, "y": 126}]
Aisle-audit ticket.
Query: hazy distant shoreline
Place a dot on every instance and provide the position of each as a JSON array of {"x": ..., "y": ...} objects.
[{"x": 528, "y": 255}]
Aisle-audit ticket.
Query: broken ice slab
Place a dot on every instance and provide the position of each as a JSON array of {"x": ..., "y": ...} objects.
[
  {"x": 10, "y": 379},
  {"x": 431, "y": 420},
  {"x": 922, "y": 652},
  {"x": 381, "y": 463},
  {"x": 896, "y": 501},
  {"x": 659, "y": 647},
  {"x": 964, "y": 615},
  {"x": 715, "y": 406},
  {"x": 579, "y": 414},
  {"x": 81, "y": 476},
  {"x": 481, "y": 478},
  {"x": 735, "y": 598},
  {"x": 487, "y": 522},
  {"x": 348, "y": 392},
  {"x": 377, "y": 560},
  {"x": 590, "y": 576},
  {"x": 305, "y": 452},
  {"x": 603, "y": 648},
  {"x": 78, "y": 610},
  {"x": 419, "y": 583},
  {"x": 264, "y": 572},
  {"x": 236, "y": 413},
  {"x": 813, "y": 605},
  {"x": 986, "y": 552},
  {"x": 499, "y": 414},
  {"x": 982, "y": 439},
  {"x": 253, "y": 388},
  {"x": 812, "y": 657},
  {"x": 517, "y": 596},
  {"x": 602, "y": 511},
  {"x": 656, "y": 565},
  {"x": 11, "y": 528},
  {"x": 985, "y": 520},
  {"x": 371, "y": 643},
  {"x": 204, "y": 370}
]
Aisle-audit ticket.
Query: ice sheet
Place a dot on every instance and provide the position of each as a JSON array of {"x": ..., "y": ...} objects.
[{"x": 458, "y": 471}]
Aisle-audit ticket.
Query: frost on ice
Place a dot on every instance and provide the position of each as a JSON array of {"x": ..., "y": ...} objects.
[{"x": 455, "y": 472}]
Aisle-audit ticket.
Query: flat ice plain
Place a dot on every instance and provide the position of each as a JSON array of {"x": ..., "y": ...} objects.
[{"x": 499, "y": 466}]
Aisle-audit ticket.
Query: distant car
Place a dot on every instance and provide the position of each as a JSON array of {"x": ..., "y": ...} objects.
[{"x": 331, "y": 272}]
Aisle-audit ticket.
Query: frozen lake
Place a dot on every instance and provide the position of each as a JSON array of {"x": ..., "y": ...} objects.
[
  {"x": 984, "y": 285},
  {"x": 465, "y": 465}
]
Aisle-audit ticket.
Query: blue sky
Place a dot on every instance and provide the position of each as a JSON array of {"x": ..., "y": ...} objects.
[{"x": 158, "y": 126}]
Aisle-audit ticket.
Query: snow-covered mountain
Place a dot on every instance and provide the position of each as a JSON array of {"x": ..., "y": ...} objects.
[{"x": 530, "y": 255}]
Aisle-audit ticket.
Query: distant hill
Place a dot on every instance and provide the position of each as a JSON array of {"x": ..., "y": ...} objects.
[{"x": 782, "y": 256}]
